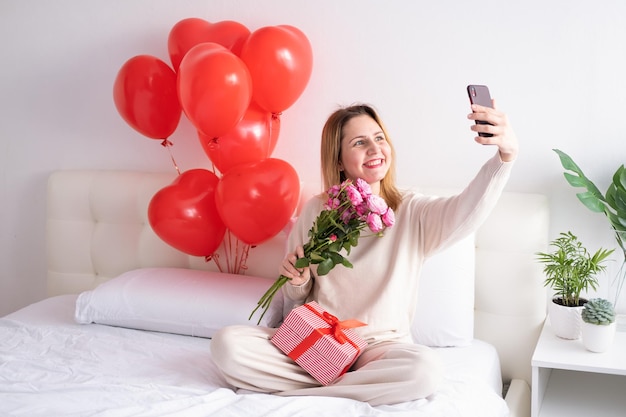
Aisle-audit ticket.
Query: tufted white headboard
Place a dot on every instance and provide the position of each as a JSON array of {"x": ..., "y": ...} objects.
[{"x": 97, "y": 228}]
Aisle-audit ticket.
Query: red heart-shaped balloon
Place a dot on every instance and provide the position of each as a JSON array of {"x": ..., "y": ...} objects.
[
  {"x": 214, "y": 88},
  {"x": 280, "y": 61},
  {"x": 257, "y": 200},
  {"x": 184, "y": 214},
  {"x": 251, "y": 140},
  {"x": 146, "y": 96},
  {"x": 187, "y": 33}
]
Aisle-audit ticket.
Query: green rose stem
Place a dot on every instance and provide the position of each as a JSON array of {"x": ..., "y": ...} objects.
[{"x": 267, "y": 298}]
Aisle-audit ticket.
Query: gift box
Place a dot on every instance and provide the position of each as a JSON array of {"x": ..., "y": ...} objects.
[{"x": 317, "y": 341}]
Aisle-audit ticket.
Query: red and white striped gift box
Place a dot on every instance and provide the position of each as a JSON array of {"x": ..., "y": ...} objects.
[{"x": 317, "y": 341}]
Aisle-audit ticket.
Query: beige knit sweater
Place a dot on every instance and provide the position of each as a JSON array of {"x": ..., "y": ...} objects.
[{"x": 381, "y": 288}]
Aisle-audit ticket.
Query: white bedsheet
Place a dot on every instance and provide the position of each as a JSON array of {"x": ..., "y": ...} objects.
[{"x": 51, "y": 366}]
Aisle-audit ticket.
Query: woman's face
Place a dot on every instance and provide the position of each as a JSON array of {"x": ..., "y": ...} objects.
[{"x": 365, "y": 152}]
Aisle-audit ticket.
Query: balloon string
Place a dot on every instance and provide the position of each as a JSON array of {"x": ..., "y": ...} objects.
[
  {"x": 244, "y": 257},
  {"x": 215, "y": 142},
  {"x": 215, "y": 258},
  {"x": 167, "y": 144},
  {"x": 273, "y": 117},
  {"x": 228, "y": 250},
  {"x": 234, "y": 256},
  {"x": 236, "y": 260}
]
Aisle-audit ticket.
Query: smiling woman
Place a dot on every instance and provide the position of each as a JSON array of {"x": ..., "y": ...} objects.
[
  {"x": 391, "y": 368},
  {"x": 365, "y": 152},
  {"x": 348, "y": 131}
]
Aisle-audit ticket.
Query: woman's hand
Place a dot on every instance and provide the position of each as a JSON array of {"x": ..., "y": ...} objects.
[
  {"x": 288, "y": 269},
  {"x": 503, "y": 135}
]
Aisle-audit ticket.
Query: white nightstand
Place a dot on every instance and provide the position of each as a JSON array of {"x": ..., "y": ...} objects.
[{"x": 570, "y": 381}]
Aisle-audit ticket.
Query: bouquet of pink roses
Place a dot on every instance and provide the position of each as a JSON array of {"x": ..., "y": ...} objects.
[{"x": 350, "y": 208}]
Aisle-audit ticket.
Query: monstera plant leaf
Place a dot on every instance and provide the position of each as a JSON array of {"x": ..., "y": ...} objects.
[
  {"x": 592, "y": 198},
  {"x": 612, "y": 204},
  {"x": 616, "y": 199}
]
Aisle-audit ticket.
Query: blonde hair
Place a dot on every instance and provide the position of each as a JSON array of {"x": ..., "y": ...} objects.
[{"x": 332, "y": 133}]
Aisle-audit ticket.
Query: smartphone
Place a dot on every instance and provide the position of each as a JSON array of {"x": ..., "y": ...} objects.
[{"x": 479, "y": 94}]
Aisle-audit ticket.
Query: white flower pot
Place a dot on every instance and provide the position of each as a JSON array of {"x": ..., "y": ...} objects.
[
  {"x": 598, "y": 338},
  {"x": 566, "y": 321}
]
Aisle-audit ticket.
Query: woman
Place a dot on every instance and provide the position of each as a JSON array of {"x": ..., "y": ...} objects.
[{"x": 381, "y": 288}]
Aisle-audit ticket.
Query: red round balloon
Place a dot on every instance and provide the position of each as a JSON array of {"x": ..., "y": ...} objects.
[
  {"x": 185, "y": 216},
  {"x": 280, "y": 61},
  {"x": 251, "y": 140},
  {"x": 257, "y": 200},
  {"x": 214, "y": 87},
  {"x": 145, "y": 95},
  {"x": 189, "y": 32}
]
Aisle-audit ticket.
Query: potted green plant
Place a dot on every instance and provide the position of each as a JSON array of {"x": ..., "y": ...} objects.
[
  {"x": 612, "y": 204},
  {"x": 598, "y": 328},
  {"x": 570, "y": 269}
]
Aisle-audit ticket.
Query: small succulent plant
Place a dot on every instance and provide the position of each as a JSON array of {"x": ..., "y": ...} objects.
[{"x": 598, "y": 311}]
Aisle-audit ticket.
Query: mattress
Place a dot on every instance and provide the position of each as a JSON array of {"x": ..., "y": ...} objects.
[{"x": 52, "y": 366}]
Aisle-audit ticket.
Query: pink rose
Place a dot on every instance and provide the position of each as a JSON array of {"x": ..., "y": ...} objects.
[
  {"x": 374, "y": 222},
  {"x": 389, "y": 218},
  {"x": 334, "y": 190},
  {"x": 361, "y": 211},
  {"x": 332, "y": 203},
  {"x": 346, "y": 216},
  {"x": 363, "y": 187},
  {"x": 354, "y": 195},
  {"x": 377, "y": 204}
]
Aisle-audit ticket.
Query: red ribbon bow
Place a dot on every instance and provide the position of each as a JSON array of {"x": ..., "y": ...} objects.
[{"x": 336, "y": 326}]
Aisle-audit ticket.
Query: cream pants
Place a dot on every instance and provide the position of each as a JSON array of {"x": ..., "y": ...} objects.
[{"x": 385, "y": 373}]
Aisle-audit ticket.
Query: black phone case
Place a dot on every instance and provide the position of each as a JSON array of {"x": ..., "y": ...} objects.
[{"x": 479, "y": 94}]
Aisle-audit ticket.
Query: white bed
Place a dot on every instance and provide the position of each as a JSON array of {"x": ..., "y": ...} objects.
[{"x": 50, "y": 365}]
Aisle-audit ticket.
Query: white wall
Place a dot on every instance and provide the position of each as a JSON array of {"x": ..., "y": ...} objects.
[{"x": 558, "y": 67}]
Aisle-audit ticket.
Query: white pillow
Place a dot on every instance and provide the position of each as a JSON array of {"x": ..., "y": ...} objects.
[
  {"x": 198, "y": 303},
  {"x": 176, "y": 300},
  {"x": 444, "y": 316}
]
